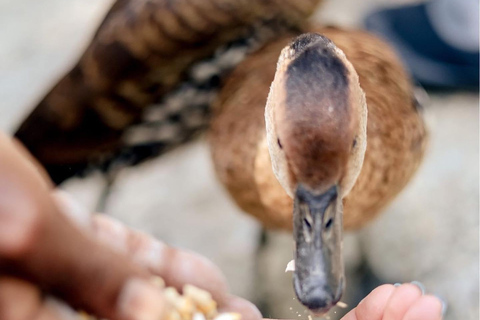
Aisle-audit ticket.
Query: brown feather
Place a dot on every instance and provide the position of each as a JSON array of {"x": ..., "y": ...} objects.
[
  {"x": 140, "y": 52},
  {"x": 307, "y": 106},
  {"x": 396, "y": 133}
]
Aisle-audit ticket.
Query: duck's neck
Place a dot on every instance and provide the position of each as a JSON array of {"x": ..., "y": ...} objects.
[{"x": 273, "y": 197}]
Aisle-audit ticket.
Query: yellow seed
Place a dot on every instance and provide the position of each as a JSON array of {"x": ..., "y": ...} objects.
[
  {"x": 228, "y": 316},
  {"x": 198, "y": 316},
  {"x": 158, "y": 282},
  {"x": 202, "y": 299},
  {"x": 185, "y": 307},
  {"x": 82, "y": 315},
  {"x": 173, "y": 315}
]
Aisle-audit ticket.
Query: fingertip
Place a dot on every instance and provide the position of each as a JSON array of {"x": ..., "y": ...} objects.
[
  {"x": 246, "y": 308},
  {"x": 180, "y": 267},
  {"x": 373, "y": 305},
  {"x": 401, "y": 299},
  {"x": 140, "y": 300},
  {"x": 427, "y": 307},
  {"x": 382, "y": 291},
  {"x": 444, "y": 303},
  {"x": 420, "y": 286}
]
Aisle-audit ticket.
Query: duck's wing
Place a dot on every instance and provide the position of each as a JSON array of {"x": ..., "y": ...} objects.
[{"x": 146, "y": 80}]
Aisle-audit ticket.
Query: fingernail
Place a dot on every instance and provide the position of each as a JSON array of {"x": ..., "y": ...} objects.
[
  {"x": 444, "y": 304},
  {"x": 397, "y": 284},
  {"x": 420, "y": 286},
  {"x": 140, "y": 300}
]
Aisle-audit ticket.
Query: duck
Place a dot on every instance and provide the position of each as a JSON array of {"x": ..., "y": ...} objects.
[
  {"x": 156, "y": 70},
  {"x": 145, "y": 82},
  {"x": 317, "y": 135}
]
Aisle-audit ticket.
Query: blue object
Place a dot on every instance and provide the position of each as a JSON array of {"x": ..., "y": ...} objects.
[{"x": 431, "y": 61}]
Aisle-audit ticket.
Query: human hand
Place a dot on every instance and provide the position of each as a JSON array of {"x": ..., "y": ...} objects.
[
  {"x": 50, "y": 247},
  {"x": 397, "y": 302}
]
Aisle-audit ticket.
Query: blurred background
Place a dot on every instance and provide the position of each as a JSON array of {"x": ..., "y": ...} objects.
[{"x": 429, "y": 234}]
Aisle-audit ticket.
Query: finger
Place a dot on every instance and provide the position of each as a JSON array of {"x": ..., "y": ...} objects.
[
  {"x": 247, "y": 309},
  {"x": 373, "y": 306},
  {"x": 403, "y": 297},
  {"x": 19, "y": 300},
  {"x": 425, "y": 308},
  {"x": 27, "y": 158},
  {"x": 138, "y": 246},
  {"x": 46, "y": 312},
  {"x": 350, "y": 315},
  {"x": 72, "y": 209},
  {"x": 176, "y": 267},
  {"x": 45, "y": 248},
  {"x": 21, "y": 187},
  {"x": 52, "y": 309},
  {"x": 99, "y": 280},
  {"x": 59, "y": 309}
]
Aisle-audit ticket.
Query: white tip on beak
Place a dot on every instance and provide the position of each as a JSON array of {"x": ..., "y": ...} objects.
[{"x": 290, "y": 266}]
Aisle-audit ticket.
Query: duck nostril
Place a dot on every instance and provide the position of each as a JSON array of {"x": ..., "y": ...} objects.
[
  {"x": 307, "y": 224},
  {"x": 307, "y": 230},
  {"x": 329, "y": 224}
]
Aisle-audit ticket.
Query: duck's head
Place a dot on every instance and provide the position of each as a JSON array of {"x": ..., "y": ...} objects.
[{"x": 316, "y": 132}]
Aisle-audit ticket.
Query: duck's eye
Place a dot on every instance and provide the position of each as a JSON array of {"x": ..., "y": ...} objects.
[
  {"x": 279, "y": 143},
  {"x": 329, "y": 223}
]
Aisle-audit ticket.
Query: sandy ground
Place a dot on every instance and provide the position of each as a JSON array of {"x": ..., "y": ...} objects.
[{"x": 429, "y": 234}]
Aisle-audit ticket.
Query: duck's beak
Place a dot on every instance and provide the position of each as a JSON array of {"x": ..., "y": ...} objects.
[{"x": 319, "y": 272}]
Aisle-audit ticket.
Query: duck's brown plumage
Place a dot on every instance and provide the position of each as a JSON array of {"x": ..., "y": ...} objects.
[
  {"x": 396, "y": 133},
  {"x": 141, "y": 51},
  {"x": 308, "y": 78}
]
